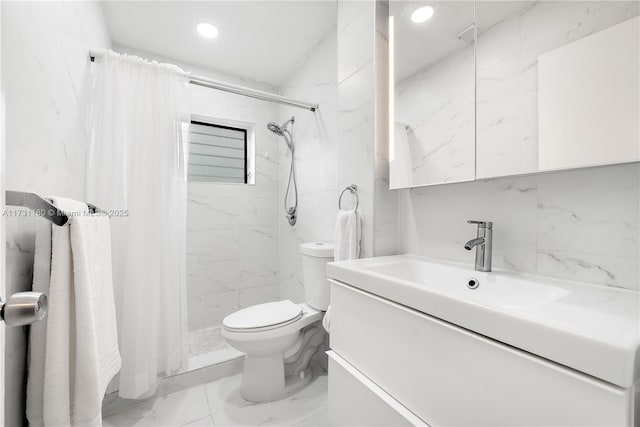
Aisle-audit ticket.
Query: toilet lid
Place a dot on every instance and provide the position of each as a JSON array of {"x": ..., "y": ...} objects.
[{"x": 264, "y": 315}]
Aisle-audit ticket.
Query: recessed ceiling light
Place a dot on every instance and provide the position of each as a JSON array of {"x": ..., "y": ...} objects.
[
  {"x": 422, "y": 14},
  {"x": 207, "y": 30}
]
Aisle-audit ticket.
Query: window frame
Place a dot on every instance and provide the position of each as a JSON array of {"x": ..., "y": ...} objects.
[{"x": 249, "y": 145}]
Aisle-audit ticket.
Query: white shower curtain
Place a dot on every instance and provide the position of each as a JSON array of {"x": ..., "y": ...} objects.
[{"x": 136, "y": 171}]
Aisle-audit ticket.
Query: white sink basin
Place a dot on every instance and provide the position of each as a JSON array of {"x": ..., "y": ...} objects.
[
  {"x": 502, "y": 290},
  {"x": 593, "y": 329}
]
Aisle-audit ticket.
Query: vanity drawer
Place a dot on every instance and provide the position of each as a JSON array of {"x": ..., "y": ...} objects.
[
  {"x": 354, "y": 400},
  {"x": 449, "y": 376}
]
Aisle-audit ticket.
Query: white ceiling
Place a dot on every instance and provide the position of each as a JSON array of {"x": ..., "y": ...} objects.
[
  {"x": 264, "y": 41},
  {"x": 420, "y": 45}
]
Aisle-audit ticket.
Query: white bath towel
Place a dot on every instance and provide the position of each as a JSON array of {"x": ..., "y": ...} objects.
[
  {"x": 80, "y": 348},
  {"x": 347, "y": 238}
]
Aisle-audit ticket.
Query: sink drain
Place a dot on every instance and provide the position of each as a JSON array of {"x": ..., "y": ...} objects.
[{"x": 473, "y": 283}]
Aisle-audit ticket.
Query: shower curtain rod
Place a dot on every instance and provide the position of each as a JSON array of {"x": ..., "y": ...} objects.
[{"x": 237, "y": 89}]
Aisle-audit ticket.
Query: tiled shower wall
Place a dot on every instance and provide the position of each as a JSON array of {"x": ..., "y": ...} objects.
[{"x": 232, "y": 229}]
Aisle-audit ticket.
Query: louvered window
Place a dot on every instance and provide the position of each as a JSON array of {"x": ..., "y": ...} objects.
[{"x": 217, "y": 153}]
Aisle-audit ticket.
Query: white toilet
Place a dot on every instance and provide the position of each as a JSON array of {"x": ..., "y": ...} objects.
[{"x": 279, "y": 338}]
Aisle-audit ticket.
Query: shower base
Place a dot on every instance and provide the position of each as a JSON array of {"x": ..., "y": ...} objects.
[{"x": 207, "y": 347}]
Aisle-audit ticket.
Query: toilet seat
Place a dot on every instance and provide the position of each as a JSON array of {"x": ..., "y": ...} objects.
[{"x": 263, "y": 317}]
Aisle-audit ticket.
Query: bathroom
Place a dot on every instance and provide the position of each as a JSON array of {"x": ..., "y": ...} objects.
[{"x": 352, "y": 142}]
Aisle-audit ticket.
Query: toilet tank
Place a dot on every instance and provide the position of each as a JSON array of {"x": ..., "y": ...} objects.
[{"x": 315, "y": 257}]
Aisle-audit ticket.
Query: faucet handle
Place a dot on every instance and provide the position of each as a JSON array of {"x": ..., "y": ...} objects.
[{"x": 481, "y": 224}]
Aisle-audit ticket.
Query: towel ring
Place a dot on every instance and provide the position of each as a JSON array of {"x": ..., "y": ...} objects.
[{"x": 353, "y": 189}]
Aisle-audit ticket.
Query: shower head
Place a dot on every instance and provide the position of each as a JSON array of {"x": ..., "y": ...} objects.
[
  {"x": 279, "y": 130},
  {"x": 275, "y": 128}
]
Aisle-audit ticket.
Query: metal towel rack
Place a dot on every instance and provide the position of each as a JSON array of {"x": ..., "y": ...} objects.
[
  {"x": 353, "y": 189},
  {"x": 41, "y": 207},
  {"x": 37, "y": 204}
]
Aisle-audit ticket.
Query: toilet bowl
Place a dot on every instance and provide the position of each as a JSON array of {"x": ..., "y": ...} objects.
[{"x": 279, "y": 338}]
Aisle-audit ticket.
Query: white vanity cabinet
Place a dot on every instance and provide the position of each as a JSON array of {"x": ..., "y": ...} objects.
[{"x": 393, "y": 365}]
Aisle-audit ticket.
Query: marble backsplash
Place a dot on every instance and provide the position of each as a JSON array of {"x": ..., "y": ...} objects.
[{"x": 577, "y": 225}]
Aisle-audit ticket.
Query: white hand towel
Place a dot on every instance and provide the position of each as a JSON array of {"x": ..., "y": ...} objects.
[
  {"x": 80, "y": 348},
  {"x": 347, "y": 241}
]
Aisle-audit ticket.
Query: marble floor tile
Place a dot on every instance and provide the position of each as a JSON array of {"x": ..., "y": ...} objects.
[
  {"x": 319, "y": 419},
  {"x": 229, "y": 409},
  {"x": 172, "y": 410},
  {"x": 219, "y": 403},
  {"x": 203, "y": 422}
]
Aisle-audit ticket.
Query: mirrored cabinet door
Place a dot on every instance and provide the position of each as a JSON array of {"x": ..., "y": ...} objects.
[
  {"x": 557, "y": 85},
  {"x": 497, "y": 88},
  {"x": 432, "y": 134}
]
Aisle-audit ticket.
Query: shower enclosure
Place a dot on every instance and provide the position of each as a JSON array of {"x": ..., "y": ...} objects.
[{"x": 233, "y": 228}]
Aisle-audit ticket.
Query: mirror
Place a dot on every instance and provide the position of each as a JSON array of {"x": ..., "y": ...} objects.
[
  {"x": 432, "y": 131},
  {"x": 556, "y": 87}
]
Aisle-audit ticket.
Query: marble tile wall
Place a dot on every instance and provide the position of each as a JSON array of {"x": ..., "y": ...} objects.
[
  {"x": 356, "y": 109},
  {"x": 339, "y": 145},
  {"x": 362, "y": 101},
  {"x": 577, "y": 225},
  {"x": 232, "y": 229},
  {"x": 45, "y": 71},
  {"x": 316, "y": 141}
]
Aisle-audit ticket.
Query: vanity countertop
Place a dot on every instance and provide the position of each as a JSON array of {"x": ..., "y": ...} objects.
[{"x": 590, "y": 328}]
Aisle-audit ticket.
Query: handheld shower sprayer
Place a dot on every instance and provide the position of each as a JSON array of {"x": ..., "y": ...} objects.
[{"x": 281, "y": 130}]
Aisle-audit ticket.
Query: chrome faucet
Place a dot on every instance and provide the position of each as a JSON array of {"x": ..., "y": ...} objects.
[{"x": 483, "y": 244}]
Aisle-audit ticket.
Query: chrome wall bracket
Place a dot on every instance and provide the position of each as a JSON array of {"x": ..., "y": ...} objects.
[{"x": 23, "y": 308}]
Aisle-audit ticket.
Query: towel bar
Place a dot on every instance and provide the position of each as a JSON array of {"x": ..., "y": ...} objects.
[
  {"x": 36, "y": 204},
  {"x": 41, "y": 206}
]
